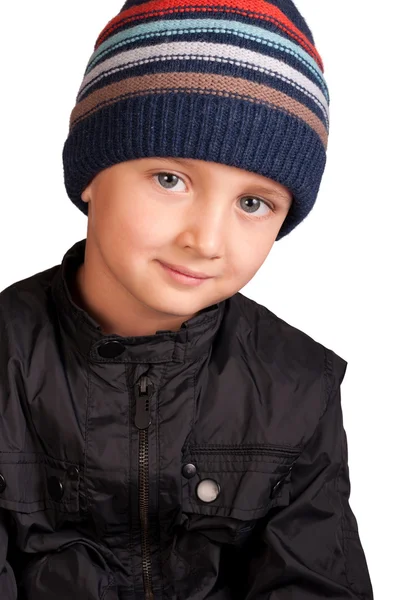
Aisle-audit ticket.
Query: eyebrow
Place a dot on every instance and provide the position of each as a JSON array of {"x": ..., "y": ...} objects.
[
  {"x": 273, "y": 192},
  {"x": 180, "y": 161},
  {"x": 261, "y": 187}
]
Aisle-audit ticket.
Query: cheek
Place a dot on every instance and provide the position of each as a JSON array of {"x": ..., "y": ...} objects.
[
  {"x": 153, "y": 228},
  {"x": 126, "y": 223},
  {"x": 249, "y": 254},
  {"x": 138, "y": 228}
]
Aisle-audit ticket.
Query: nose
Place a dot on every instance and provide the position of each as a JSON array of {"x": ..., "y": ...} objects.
[{"x": 207, "y": 226}]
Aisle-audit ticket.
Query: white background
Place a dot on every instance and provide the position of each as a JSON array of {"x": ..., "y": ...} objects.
[{"x": 333, "y": 277}]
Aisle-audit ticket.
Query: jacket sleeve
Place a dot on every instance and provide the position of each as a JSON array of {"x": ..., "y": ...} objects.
[
  {"x": 8, "y": 586},
  {"x": 311, "y": 548}
]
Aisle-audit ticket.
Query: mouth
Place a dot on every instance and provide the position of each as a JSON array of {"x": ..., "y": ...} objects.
[
  {"x": 182, "y": 278},
  {"x": 186, "y": 272}
]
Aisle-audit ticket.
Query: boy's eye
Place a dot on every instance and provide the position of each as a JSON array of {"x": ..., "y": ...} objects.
[{"x": 168, "y": 181}]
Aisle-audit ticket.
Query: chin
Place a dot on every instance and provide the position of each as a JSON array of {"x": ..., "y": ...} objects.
[{"x": 178, "y": 309}]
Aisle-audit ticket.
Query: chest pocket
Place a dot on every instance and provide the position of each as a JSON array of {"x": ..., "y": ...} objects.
[
  {"x": 225, "y": 490},
  {"x": 35, "y": 482},
  {"x": 236, "y": 484}
]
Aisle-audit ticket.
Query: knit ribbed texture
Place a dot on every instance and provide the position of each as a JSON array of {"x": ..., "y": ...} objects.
[{"x": 237, "y": 82}]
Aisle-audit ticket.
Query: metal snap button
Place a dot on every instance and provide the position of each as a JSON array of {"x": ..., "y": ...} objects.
[
  {"x": 73, "y": 473},
  {"x": 189, "y": 470},
  {"x": 111, "y": 349},
  {"x": 3, "y": 483},
  {"x": 55, "y": 488},
  {"x": 208, "y": 490}
]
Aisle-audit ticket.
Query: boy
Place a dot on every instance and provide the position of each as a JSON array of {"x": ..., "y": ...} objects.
[{"x": 162, "y": 436}]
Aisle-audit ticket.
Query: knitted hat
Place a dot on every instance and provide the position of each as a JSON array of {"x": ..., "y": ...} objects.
[{"x": 237, "y": 82}]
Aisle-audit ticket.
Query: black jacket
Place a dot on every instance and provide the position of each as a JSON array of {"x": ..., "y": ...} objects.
[{"x": 210, "y": 462}]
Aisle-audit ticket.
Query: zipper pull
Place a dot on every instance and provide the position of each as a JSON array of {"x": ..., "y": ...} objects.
[
  {"x": 281, "y": 481},
  {"x": 142, "y": 415}
]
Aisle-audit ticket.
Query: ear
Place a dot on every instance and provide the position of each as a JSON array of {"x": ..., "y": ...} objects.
[{"x": 86, "y": 194}]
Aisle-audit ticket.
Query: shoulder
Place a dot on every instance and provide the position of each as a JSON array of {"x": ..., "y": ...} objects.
[
  {"x": 24, "y": 306},
  {"x": 24, "y": 322},
  {"x": 281, "y": 346}
]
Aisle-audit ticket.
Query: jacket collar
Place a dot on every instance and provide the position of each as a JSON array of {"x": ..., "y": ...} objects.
[{"x": 192, "y": 340}]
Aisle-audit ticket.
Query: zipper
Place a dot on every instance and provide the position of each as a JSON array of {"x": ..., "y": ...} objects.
[{"x": 142, "y": 422}]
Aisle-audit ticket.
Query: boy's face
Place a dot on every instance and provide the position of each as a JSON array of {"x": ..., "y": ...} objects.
[{"x": 204, "y": 216}]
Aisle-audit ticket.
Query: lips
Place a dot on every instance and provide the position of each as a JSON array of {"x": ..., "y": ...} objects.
[{"x": 186, "y": 271}]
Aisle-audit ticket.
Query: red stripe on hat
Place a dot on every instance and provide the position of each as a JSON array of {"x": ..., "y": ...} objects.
[{"x": 251, "y": 8}]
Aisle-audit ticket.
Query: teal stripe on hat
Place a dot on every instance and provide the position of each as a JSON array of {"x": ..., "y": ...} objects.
[{"x": 171, "y": 27}]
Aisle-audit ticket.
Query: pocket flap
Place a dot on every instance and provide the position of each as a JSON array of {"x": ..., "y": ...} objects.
[
  {"x": 234, "y": 483},
  {"x": 33, "y": 482}
]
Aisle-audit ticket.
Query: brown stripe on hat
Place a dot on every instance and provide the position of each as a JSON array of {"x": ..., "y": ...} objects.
[{"x": 196, "y": 83}]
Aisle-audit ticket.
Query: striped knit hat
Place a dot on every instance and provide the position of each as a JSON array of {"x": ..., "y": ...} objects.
[{"x": 237, "y": 82}]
